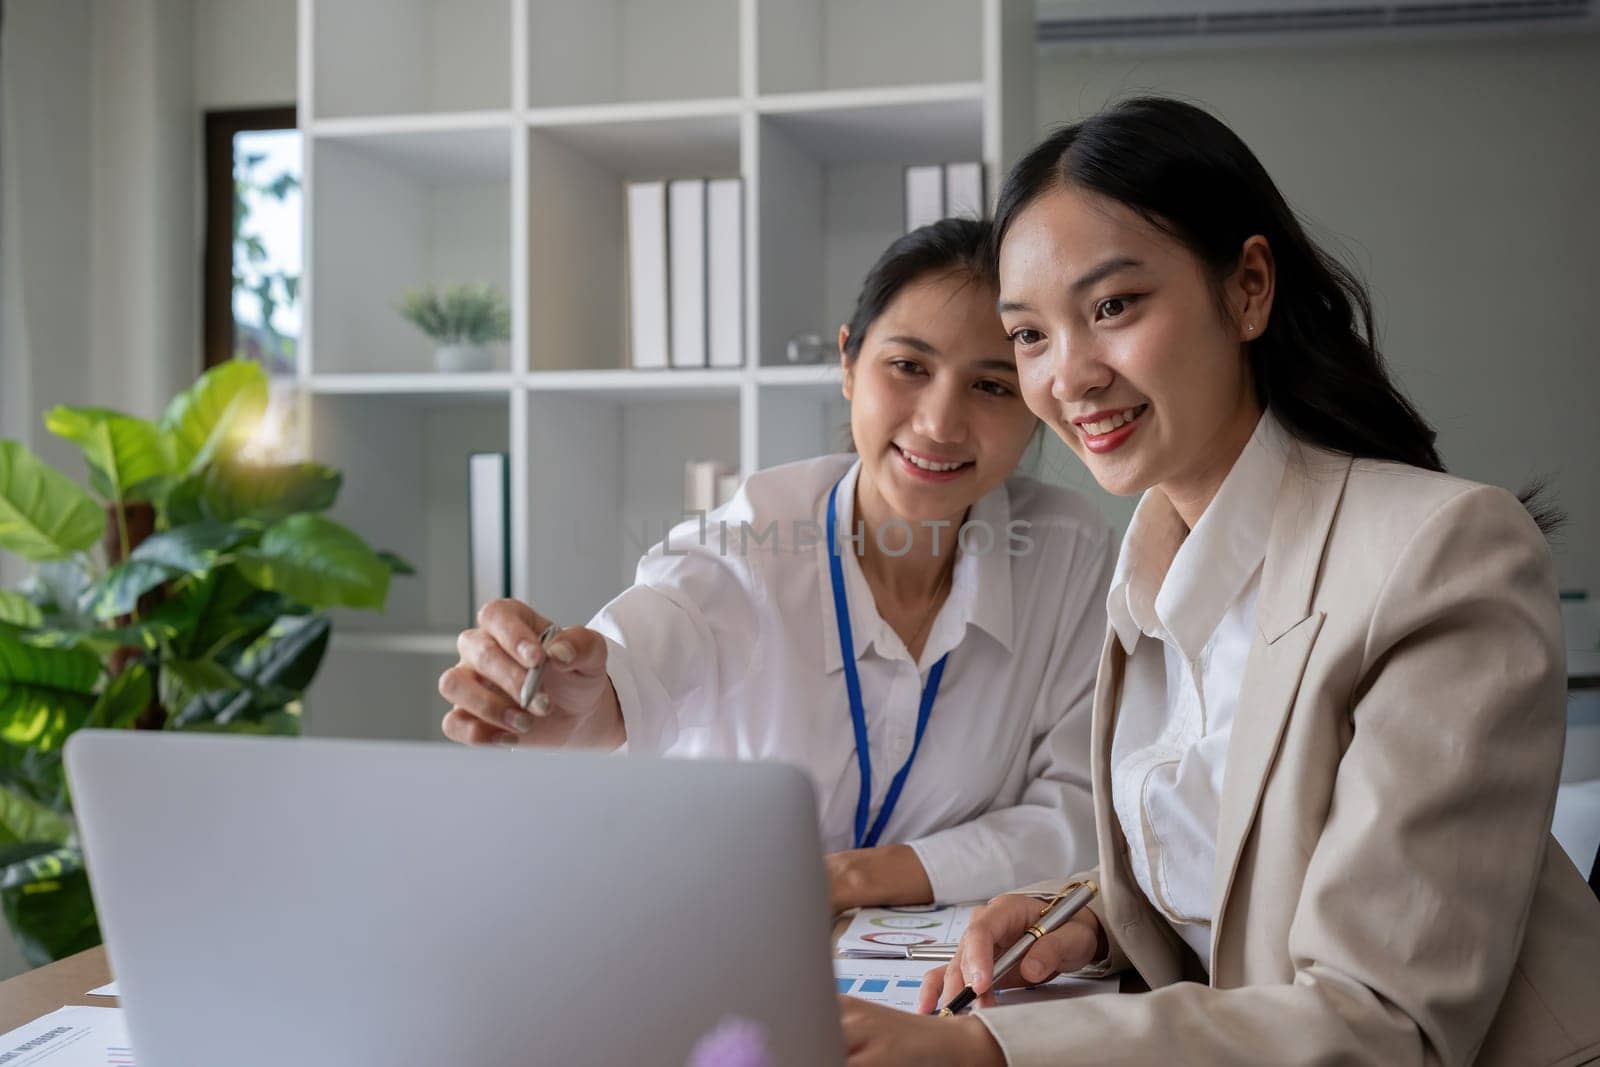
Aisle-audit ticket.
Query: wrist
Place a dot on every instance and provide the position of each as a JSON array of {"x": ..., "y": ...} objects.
[{"x": 979, "y": 1047}]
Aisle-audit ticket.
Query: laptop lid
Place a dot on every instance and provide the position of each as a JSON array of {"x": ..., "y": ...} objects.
[{"x": 317, "y": 902}]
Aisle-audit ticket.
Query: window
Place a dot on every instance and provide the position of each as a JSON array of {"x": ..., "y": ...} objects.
[{"x": 253, "y": 238}]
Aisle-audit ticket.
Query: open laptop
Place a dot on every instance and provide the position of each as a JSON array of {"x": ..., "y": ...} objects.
[{"x": 342, "y": 903}]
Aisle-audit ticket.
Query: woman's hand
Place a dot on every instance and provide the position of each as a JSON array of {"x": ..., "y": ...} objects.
[
  {"x": 994, "y": 928},
  {"x": 885, "y": 876},
  {"x": 876, "y": 1036},
  {"x": 576, "y": 704}
]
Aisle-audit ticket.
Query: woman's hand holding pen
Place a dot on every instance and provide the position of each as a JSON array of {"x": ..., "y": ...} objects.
[
  {"x": 575, "y": 705},
  {"x": 994, "y": 928}
]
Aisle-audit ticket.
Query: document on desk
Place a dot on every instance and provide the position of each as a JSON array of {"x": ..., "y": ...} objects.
[
  {"x": 898, "y": 983},
  {"x": 70, "y": 1037},
  {"x": 107, "y": 990},
  {"x": 886, "y": 933}
]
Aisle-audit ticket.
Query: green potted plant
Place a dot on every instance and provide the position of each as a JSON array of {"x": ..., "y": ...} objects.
[
  {"x": 185, "y": 590},
  {"x": 462, "y": 321}
]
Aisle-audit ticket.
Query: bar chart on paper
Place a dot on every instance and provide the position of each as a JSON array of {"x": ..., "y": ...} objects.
[{"x": 894, "y": 983}]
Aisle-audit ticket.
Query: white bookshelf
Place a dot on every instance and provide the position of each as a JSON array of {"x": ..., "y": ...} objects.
[{"x": 489, "y": 141}]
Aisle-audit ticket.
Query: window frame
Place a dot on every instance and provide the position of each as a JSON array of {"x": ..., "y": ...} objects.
[{"x": 217, "y": 325}]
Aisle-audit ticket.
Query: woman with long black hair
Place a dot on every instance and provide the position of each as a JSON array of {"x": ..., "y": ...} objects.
[
  {"x": 873, "y": 618},
  {"x": 1329, "y": 718}
]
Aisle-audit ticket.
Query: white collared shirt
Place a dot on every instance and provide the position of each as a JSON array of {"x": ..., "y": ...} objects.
[
  {"x": 731, "y": 648},
  {"x": 1194, "y": 594}
]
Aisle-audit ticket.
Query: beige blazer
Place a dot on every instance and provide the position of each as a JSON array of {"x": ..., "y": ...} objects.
[{"x": 1387, "y": 888}]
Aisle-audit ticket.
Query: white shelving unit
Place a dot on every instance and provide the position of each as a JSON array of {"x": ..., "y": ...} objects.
[{"x": 489, "y": 141}]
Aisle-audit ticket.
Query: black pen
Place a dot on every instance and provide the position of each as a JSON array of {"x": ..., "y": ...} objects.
[{"x": 1057, "y": 910}]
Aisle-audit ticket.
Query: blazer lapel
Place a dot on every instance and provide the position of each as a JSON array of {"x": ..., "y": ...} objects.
[{"x": 1313, "y": 485}]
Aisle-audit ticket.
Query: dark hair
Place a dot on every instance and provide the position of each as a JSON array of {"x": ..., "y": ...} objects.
[
  {"x": 1317, "y": 366},
  {"x": 949, "y": 245}
]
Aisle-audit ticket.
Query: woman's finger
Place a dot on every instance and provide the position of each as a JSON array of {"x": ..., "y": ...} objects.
[
  {"x": 577, "y": 650},
  {"x": 1068, "y": 948},
  {"x": 480, "y": 651},
  {"x": 463, "y": 727},
  {"x": 463, "y": 687},
  {"x": 932, "y": 993},
  {"x": 515, "y": 627}
]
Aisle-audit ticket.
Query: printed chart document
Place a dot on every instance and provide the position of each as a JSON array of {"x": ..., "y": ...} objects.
[
  {"x": 70, "y": 1037},
  {"x": 898, "y": 983},
  {"x": 107, "y": 990},
  {"x": 888, "y": 932}
]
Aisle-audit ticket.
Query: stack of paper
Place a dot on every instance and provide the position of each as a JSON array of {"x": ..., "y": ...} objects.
[
  {"x": 887, "y": 933},
  {"x": 70, "y": 1037}
]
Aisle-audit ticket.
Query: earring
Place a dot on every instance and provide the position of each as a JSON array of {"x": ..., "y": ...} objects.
[{"x": 1250, "y": 328}]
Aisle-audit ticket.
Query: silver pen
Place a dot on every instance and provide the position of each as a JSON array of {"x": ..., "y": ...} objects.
[
  {"x": 1061, "y": 907},
  {"x": 530, "y": 684},
  {"x": 943, "y": 951}
]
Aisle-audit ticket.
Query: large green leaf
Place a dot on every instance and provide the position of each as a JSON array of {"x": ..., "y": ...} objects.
[
  {"x": 192, "y": 549},
  {"x": 125, "y": 451},
  {"x": 216, "y": 415},
  {"x": 24, "y": 820},
  {"x": 146, "y": 634},
  {"x": 18, "y": 610},
  {"x": 318, "y": 562},
  {"x": 267, "y": 493},
  {"x": 117, "y": 591},
  {"x": 44, "y": 515},
  {"x": 48, "y": 904},
  {"x": 45, "y": 693},
  {"x": 183, "y": 681},
  {"x": 124, "y": 699},
  {"x": 275, "y": 670}
]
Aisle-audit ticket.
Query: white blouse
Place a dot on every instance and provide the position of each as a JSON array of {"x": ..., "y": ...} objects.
[
  {"x": 1194, "y": 594},
  {"x": 727, "y": 645}
]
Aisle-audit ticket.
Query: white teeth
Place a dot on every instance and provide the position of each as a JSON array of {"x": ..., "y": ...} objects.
[
  {"x": 1106, "y": 425},
  {"x": 929, "y": 466}
]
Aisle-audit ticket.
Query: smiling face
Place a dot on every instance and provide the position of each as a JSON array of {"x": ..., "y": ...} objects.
[
  {"x": 1123, "y": 349},
  {"x": 935, "y": 408}
]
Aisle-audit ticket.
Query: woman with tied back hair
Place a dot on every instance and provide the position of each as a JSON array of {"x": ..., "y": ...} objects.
[
  {"x": 934, "y": 680},
  {"x": 1329, "y": 717}
]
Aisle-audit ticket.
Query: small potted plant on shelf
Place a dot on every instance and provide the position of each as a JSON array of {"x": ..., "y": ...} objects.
[
  {"x": 462, "y": 321},
  {"x": 187, "y": 589}
]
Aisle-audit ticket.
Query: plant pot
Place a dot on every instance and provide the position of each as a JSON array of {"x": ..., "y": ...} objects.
[{"x": 455, "y": 359}]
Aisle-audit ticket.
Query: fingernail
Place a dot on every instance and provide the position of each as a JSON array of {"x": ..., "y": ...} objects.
[
  {"x": 520, "y": 721},
  {"x": 541, "y": 704},
  {"x": 506, "y": 741},
  {"x": 526, "y": 652},
  {"x": 1033, "y": 970},
  {"x": 561, "y": 651}
]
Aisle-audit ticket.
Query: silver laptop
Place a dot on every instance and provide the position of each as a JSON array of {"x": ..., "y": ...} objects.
[{"x": 342, "y": 903}]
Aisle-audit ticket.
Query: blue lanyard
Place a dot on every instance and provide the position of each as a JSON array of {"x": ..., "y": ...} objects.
[{"x": 858, "y": 714}]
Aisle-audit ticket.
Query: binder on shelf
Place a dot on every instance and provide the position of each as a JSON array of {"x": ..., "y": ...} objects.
[
  {"x": 488, "y": 528},
  {"x": 686, "y": 278},
  {"x": 647, "y": 274},
  {"x": 702, "y": 484},
  {"x": 924, "y": 195},
  {"x": 725, "y": 271},
  {"x": 963, "y": 191}
]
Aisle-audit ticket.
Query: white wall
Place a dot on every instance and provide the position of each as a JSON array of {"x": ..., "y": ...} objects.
[
  {"x": 1460, "y": 177},
  {"x": 244, "y": 53},
  {"x": 101, "y": 200}
]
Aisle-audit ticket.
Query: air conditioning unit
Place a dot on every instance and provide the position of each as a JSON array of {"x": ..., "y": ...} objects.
[{"x": 1091, "y": 21}]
